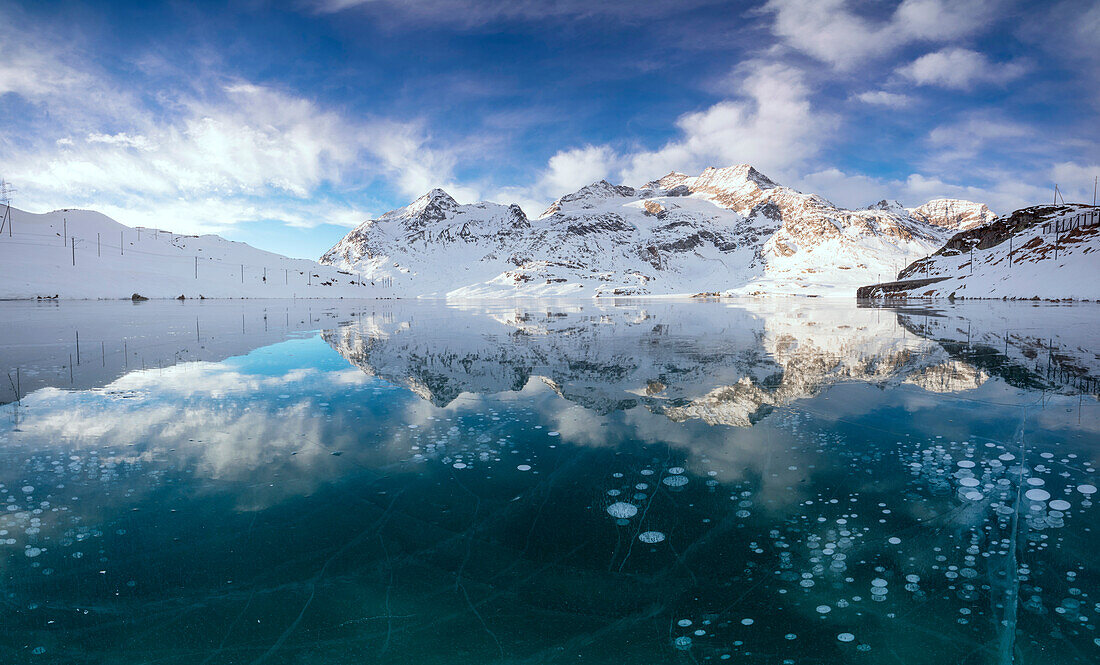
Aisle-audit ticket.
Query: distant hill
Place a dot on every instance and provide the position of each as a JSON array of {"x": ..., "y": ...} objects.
[{"x": 86, "y": 255}]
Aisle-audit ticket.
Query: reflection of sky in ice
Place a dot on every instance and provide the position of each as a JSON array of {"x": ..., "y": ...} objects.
[{"x": 284, "y": 504}]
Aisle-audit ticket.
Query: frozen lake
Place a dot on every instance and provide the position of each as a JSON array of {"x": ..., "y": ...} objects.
[{"x": 772, "y": 481}]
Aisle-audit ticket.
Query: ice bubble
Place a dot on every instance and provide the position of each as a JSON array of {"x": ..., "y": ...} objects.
[
  {"x": 553, "y": 434},
  {"x": 32, "y": 552},
  {"x": 894, "y": 541},
  {"x": 651, "y": 537},
  {"x": 1036, "y": 482},
  {"x": 824, "y": 609},
  {"x": 675, "y": 481},
  {"x": 524, "y": 467},
  {"x": 846, "y": 637},
  {"x": 676, "y": 470},
  {"x": 622, "y": 510},
  {"x": 682, "y": 643},
  {"x": 1086, "y": 489},
  {"x": 746, "y": 622},
  {"x": 683, "y": 623},
  {"x": 878, "y": 582},
  {"x": 1037, "y": 495},
  {"x": 966, "y": 464},
  {"x": 969, "y": 482},
  {"x": 1059, "y": 504},
  {"x": 459, "y": 465}
]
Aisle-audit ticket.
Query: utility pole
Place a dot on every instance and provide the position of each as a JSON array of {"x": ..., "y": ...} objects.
[
  {"x": 5, "y": 198},
  {"x": 242, "y": 273},
  {"x": 120, "y": 243},
  {"x": 64, "y": 231},
  {"x": 98, "y": 246},
  {"x": 196, "y": 267}
]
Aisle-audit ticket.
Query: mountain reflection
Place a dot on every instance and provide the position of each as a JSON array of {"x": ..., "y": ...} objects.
[{"x": 727, "y": 364}]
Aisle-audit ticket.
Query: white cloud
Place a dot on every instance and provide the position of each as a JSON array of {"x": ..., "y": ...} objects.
[
  {"x": 569, "y": 170},
  {"x": 882, "y": 98},
  {"x": 960, "y": 69},
  {"x": 1003, "y": 193},
  {"x": 1075, "y": 181},
  {"x": 241, "y": 152},
  {"x": 832, "y": 32},
  {"x": 773, "y": 126},
  {"x": 976, "y": 135}
]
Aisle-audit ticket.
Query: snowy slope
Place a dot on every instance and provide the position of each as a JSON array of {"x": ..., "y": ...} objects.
[
  {"x": 1016, "y": 256},
  {"x": 115, "y": 261},
  {"x": 729, "y": 230}
]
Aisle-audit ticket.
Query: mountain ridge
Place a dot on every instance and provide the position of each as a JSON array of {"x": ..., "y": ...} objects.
[{"x": 727, "y": 230}]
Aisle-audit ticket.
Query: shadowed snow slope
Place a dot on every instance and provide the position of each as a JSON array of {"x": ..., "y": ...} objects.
[
  {"x": 730, "y": 230},
  {"x": 110, "y": 260}
]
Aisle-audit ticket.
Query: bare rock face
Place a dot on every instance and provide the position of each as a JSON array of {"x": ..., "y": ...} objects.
[{"x": 727, "y": 230}]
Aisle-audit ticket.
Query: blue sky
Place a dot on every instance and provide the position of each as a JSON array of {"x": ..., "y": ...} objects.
[{"x": 284, "y": 123}]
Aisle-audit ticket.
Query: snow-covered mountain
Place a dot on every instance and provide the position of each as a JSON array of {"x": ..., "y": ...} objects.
[
  {"x": 1048, "y": 252},
  {"x": 81, "y": 254},
  {"x": 731, "y": 230}
]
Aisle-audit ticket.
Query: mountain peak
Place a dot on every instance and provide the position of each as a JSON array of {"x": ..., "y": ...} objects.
[
  {"x": 954, "y": 214},
  {"x": 738, "y": 175},
  {"x": 601, "y": 189},
  {"x": 436, "y": 195},
  {"x": 888, "y": 206}
]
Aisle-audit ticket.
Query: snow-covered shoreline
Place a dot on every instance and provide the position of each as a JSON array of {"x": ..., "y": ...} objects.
[{"x": 84, "y": 255}]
